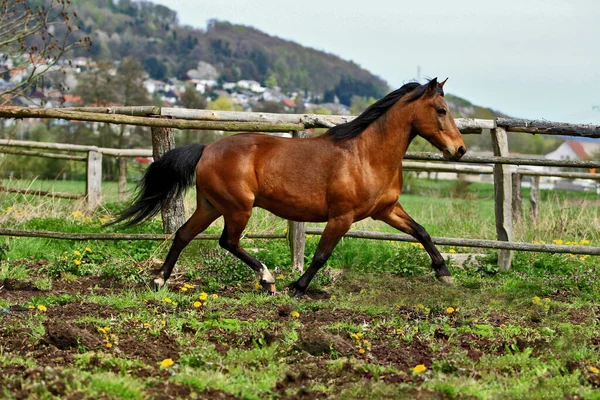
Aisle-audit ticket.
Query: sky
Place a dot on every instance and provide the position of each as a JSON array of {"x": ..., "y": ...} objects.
[{"x": 529, "y": 59}]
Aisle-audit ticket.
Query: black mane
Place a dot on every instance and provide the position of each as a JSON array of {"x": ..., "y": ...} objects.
[{"x": 359, "y": 124}]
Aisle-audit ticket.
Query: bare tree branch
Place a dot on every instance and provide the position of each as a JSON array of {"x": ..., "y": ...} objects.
[{"x": 33, "y": 39}]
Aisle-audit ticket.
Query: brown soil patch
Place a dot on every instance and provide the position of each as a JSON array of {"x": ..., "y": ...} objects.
[
  {"x": 66, "y": 336},
  {"x": 317, "y": 342},
  {"x": 403, "y": 357}
]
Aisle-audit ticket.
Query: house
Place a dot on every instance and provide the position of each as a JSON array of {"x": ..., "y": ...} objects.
[
  {"x": 203, "y": 85},
  {"x": 70, "y": 100},
  {"x": 575, "y": 150},
  {"x": 251, "y": 85},
  {"x": 153, "y": 85},
  {"x": 289, "y": 105}
]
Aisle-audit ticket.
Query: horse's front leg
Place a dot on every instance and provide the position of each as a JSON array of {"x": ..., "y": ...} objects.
[
  {"x": 399, "y": 219},
  {"x": 334, "y": 231}
]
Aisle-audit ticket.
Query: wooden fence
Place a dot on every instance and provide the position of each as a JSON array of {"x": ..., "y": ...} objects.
[{"x": 163, "y": 120}]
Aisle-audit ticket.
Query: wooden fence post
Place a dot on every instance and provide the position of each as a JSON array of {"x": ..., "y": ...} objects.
[
  {"x": 173, "y": 213},
  {"x": 93, "y": 183},
  {"x": 503, "y": 200},
  {"x": 296, "y": 234},
  {"x": 534, "y": 198},
  {"x": 122, "y": 178},
  {"x": 517, "y": 199}
]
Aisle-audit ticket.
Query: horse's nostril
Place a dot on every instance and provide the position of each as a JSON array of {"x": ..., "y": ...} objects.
[{"x": 461, "y": 151}]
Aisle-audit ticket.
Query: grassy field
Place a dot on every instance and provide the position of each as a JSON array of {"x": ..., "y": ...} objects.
[{"x": 77, "y": 319}]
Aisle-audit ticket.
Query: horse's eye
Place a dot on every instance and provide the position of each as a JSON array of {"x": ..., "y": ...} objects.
[{"x": 441, "y": 111}]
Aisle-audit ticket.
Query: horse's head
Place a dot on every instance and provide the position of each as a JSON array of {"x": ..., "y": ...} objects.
[{"x": 434, "y": 122}]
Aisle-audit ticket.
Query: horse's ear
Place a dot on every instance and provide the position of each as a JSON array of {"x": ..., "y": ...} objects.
[
  {"x": 432, "y": 85},
  {"x": 443, "y": 83}
]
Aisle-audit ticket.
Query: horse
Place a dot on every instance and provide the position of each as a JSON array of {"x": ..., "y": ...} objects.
[{"x": 352, "y": 172}]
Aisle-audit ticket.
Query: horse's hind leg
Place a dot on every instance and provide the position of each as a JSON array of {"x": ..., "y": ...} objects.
[
  {"x": 230, "y": 241},
  {"x": 204, "y": 215}
]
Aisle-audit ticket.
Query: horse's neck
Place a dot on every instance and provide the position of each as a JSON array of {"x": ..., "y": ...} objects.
[{"x": 386, "y": 143}]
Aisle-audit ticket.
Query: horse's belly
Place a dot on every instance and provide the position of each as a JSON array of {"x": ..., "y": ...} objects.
[{"x": 306, "y": 209}]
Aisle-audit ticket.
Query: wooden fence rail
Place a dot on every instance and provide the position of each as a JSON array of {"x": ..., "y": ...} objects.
[{"x": 163, "y": 120}]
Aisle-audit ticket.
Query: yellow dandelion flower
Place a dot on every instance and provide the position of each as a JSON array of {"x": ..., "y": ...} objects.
[
  {"x": 109, "y": 345},
  {"x": 163, "y": 322},
  {"x": 450, "y": 310},
  {"x": 452, "y": 251},
  {"x": 361, "y": 351},
  {"x": 536, "y": 300},
  {"x": 215, "y": 296},
  {"x": 42, "y": 307},
  {"x": 77, "y": 262},
  {"x": 557, "y": 241},
  {"x": 416, "y": 328},
  {"x": 594, "y": 370},
  {"x": 203, "y": 296},
  {"x": 174, "y": 303},
  {"x": 419, "y": 369},
  {"x": 584, "y": 241},
  {"x": 77, "y": 252},
  {"x": 32, "y": 307},
  {"x": 147, "y": 325},
  {"x": 295, "y": 314},
  {"x": 189, "y": 286},
  {"x": 184, "y": 289},
  {"x": 88, "y": 249},
  {"x": 167, "y": 362},
  {"x": 167, "y": 300},
  {"x": 256, "y": 285},
  {"x": 420, "y": 305},
  {"x": 197, "y": 304}
]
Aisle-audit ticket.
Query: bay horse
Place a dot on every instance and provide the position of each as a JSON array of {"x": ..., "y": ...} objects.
[{"x": 352, "y": 172}]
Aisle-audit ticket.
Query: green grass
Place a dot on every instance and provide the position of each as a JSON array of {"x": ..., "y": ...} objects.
[{"x": 531, "y": 332}]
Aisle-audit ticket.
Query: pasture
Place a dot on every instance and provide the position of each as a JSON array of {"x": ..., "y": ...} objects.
[{"x": 78, "y": 319}]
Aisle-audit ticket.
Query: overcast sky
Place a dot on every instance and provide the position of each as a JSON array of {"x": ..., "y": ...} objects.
[{"x": 527, "y": 58}]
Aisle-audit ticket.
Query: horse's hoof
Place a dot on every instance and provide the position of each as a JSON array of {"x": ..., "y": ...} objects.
[
  {"x": 270, "y": 288},
  {"x": 294, "y": 291},
  {"x": 446, "y": 280},
  {"x": 158, "y": 282}
]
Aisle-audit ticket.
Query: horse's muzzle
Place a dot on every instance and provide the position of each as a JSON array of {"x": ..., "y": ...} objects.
[{"x": 457, "y": 156}]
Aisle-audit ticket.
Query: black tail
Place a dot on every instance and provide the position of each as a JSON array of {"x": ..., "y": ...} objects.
[{"x": 165, "y": 178}]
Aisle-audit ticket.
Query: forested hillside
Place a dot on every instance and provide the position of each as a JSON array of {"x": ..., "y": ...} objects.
[{"x": 151, "y": 33}]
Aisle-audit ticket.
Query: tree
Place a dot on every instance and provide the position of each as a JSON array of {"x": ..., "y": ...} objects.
[
  {"x": 130, "y": 81},
  {"x": 131, "y": 89},
  {"x": 33, "y": 39},
  {"x": 98, "y": 87},
  {"x": 222, "y": 103},
  {"x": 191, "y": 98},
  {"x": 358, "y": 104},
  {"x": 156, "y": 68}
]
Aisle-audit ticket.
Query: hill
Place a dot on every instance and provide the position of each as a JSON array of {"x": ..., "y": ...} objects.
[{"x": 151, "y": 33}]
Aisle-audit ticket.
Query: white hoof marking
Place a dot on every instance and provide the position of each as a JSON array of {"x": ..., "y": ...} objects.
[{"x": 264, "y": 275}]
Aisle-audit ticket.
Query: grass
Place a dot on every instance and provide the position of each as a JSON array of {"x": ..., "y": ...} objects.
[{"x": 531, "y": 332}]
